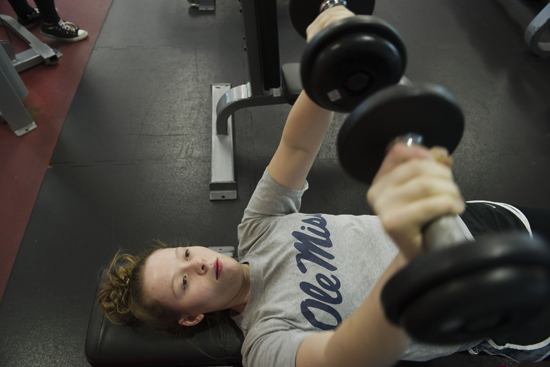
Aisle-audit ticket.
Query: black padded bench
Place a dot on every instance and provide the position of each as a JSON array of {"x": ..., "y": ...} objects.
[{"x": 108, "y": 344}]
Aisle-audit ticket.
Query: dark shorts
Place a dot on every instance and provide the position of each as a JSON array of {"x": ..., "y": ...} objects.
[{"x": 531, "y": 341}]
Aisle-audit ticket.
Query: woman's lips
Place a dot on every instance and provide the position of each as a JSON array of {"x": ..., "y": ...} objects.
[{"x": 219, "y": 267}]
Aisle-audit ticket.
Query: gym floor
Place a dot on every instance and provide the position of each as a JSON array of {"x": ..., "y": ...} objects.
[{"x": 132, "y": 162}]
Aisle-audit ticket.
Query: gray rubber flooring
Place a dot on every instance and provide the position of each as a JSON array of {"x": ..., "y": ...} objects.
[{"x": 132, "y": 163}]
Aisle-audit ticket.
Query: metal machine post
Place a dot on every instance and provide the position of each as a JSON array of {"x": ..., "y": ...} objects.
[{"x": 264, "y": 88}]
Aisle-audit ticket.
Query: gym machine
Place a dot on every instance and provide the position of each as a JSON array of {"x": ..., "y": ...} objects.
[
  {"x": 38, "y": 52},
  {"x": 264, "y": 88},
  {"x": 534, "y": 31},
  {"x": 12, "y": 89},
  {"x": 12, "y": 92}
]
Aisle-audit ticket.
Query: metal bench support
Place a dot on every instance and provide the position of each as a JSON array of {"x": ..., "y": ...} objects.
[
  {"x": 38, "y": 53},
  {"x": 534, "y": 31},
  {"x": 264, "y": 88},
  {"x": 12, "y": 92}
]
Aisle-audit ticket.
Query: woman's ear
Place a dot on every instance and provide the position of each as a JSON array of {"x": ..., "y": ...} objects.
[{"x": 190, "y": 320}]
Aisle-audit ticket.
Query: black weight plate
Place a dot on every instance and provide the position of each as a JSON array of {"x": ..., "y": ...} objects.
[
  {"x": 424, "y": 109},
  {"x": 303, "y": 12},
  {"x": 364, "y": 44},
  {"x": 479, "y": 305},
  {"x": 325, "y": 82},
  {"x": 442, "y": 266}
]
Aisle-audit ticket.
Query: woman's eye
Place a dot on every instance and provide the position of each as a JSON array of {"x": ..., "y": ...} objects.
[
  {"x": 184, "y": 282},
  {"x": 186, "y": 254}
]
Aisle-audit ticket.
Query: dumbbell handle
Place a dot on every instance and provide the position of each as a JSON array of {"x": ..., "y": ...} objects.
[
  {"x": 327, "y": 4},
  {"x": 445, "y": 231}
]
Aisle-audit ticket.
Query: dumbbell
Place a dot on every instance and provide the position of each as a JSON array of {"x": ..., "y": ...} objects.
[
  {"x": 349, "y": 59},
  {"x": 461, "y": 290}
]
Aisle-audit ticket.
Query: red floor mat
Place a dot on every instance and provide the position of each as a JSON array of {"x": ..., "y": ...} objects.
[{"x": 24, "y": 160}]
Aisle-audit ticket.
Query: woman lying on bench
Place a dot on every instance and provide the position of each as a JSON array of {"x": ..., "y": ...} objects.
[{"x": 306, "y": 291}]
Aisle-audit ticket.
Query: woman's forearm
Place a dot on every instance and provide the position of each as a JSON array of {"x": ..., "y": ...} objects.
[
  {"x": 306, "y": 125},
  {"x": 303, "y": 135}
]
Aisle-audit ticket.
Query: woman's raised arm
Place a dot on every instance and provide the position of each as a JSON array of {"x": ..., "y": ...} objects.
[{"x": 305, "y": 126}]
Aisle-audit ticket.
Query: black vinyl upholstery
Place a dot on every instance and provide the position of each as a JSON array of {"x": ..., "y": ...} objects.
[
  {"x": 108, "y": 344},
  {"x": 266, "y": 14},
  {"x": 292, "y": 82}
]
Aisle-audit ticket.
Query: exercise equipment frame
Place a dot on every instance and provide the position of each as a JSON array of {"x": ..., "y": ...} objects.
[
  {"x": 264, "y": 88},
  {"x": 38, "y": 53}
]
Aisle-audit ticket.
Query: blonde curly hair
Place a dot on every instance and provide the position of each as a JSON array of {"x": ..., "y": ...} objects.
[{"x": 122, "y": 297}]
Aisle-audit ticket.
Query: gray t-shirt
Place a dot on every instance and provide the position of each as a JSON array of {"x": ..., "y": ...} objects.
[{"x": 308, "y": 273}]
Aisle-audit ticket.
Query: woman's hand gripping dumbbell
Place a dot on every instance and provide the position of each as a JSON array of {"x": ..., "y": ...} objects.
[
  {"x": 413, "y": 187},
  {"x": 459, "y": 290},
  {"x": 329, "y": 16}
]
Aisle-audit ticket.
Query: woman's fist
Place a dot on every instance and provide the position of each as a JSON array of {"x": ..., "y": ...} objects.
[
  {"x": 325, "y": 18},
  {"x": 413, "y": 187}
]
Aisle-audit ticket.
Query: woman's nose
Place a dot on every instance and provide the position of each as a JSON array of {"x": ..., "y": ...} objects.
[{"x": 200, "y": 267}]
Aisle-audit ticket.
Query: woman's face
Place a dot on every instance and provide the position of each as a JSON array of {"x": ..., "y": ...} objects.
[{"x": 192, "y": 281}]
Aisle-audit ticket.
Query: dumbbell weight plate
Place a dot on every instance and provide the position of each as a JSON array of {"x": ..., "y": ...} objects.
[
  {"x": 470, "y": 290},
  {"x": 424, "y": 109},
  {"x": 304, "y": 12},
  {"x": 478, "y": 306},
  {"x": 350, "y": 60}
]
